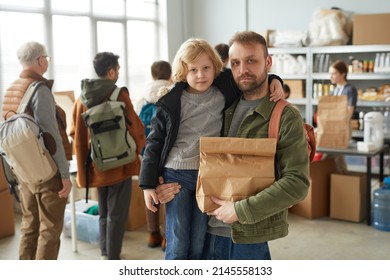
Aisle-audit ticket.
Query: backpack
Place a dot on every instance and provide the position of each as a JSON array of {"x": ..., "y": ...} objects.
[
  {"x": 22, "y": 148},
  {"x": 146, "y": 115},
  {"x": 148, "y": 111},
  {"x": 273, "y": 129},
  {"x": 111, "y": 144}
]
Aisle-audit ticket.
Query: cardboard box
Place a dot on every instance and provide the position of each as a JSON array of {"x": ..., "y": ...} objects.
[
  {"x": 3, "y": 181},
  {"x": 87, "y": 225},
  {"x": 348, "y": 197},
  {"x": 137, "y": 215},
  {"x": 297, "y": 88},
  {"x": 266, "y": 34},
  {"x": 368, "y": 29},
  {"x": 7, "y": 219},
  {"x": 316, "y": 203}
]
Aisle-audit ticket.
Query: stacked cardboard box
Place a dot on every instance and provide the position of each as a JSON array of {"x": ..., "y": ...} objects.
[
  {"x": 137, "y": 215},
  {"x": 348, "y": 197},
  {"x": 7, "y": 219},
  {"x": 316, "y": 203},
  {"x": 369, "y": 29}
]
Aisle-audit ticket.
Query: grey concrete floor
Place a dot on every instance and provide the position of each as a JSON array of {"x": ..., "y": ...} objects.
[{"x": 318, "y": 239}]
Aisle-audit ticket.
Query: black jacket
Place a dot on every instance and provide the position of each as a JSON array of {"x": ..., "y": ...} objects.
[{"x": 165, "y": 126}]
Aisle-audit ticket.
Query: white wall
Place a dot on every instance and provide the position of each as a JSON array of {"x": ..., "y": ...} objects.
[{"x": 217, "y": 20}]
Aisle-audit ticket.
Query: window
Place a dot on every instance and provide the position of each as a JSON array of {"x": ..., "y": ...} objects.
[
  {"x": 72, "y": 52},
  {"x": 111, "y": 39},
  {"x": 112, "y": 7},
  {"x": 9, "y": 43},
  {"x": 23, "y": 3},
  {"x": 81, "y": 6},
  {"x": 140, "y": 64},
  {"x": 142, "y": 8},
  {"x": 73, "y": 31}
]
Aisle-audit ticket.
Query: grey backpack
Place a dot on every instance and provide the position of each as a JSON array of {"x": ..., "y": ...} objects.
[
  {"x": 111, "y": 144},
  {"x": 25, "y": 157}
]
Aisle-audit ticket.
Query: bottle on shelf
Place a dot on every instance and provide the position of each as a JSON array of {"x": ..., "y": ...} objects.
[
  {"x": 386, "y": 120},
  {"x": 377, "y": 63},
  {"x": 381, "y": 205}
]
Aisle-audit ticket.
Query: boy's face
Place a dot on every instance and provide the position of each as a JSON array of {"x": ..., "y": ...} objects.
[{"x": 200, "y": 74}]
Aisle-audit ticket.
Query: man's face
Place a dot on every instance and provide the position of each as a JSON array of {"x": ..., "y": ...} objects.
[
  {"x": 116, "y": 73},
  {"x": 250, "y": 68}
]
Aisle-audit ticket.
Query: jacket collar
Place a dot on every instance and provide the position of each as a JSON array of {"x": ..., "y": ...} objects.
[
  {"x": 28, "y": 74},
  {"x": 265, "y": 107}
]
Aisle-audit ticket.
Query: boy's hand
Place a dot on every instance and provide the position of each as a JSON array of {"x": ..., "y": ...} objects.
[
  {"x": 151, "y": 199},
  {"x": 276, "y": 90}
]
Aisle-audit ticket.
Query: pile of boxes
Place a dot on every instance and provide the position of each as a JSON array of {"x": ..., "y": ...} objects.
[
  {"x": 368, "y": 29},
  {"x": 7, "y": 220},
  {"x": 340, "y": 196}
]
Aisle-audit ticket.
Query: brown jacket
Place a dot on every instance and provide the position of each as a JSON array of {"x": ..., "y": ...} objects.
[
  {"x": 14, "y": 95},
  {"x": 80, "y": 135}
]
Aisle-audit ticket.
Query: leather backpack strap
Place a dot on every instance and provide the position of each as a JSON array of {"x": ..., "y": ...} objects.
[{"x": 274, "y": 123}]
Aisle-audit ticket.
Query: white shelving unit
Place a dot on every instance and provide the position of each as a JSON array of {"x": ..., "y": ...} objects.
[{"x": 364, "y": 52}]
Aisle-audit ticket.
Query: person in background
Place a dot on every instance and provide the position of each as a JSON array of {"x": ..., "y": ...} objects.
[
  {"x": 242, "y": 229},
  {"x": 114, "y": 185},
  {"x": 192, "y": 108},
  {"x": 338, "y": 76},
  {"x": 162, "y": 77},
  {"x": 287, "y": 91},
  {"x": 42, "y": 206},
  {"x": 223, "y": 51}
]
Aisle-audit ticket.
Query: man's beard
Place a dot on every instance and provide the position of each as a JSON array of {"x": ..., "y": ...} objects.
[{"x": 253, "y": 87}]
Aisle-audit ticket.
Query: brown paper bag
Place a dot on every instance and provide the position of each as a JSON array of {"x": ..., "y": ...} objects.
[
  {"x": 333, "y": 122},
  {"x": 233, "y": 168}
]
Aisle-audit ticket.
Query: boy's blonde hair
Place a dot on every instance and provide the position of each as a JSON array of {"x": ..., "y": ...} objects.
[{"x": 189, "y": 52}]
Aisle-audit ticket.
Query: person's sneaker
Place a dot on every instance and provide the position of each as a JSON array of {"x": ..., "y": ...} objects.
[
  {"x": 155, "y": 240},
  {"x": 163, "y": 244},
  {"x": 103, "y": 257}
]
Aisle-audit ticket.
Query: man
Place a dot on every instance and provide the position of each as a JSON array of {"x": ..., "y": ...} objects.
[
  {"x": 223, "y": 51},
  {"x": 43, "y": 205},
  {"x": 114, "y": 185},
  {"x": 242, "y": 229}
]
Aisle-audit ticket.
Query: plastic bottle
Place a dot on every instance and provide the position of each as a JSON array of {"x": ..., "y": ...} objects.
[
  {"x": 381, "y": 205},
  {"x": 373, "y": 129},
  {"x": 377, "y": 62},
  {"x": 386, "y": 121}
]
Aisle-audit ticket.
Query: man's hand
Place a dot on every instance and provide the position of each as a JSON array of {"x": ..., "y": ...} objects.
[
  {"x": 225, "y": 212},
  {"x": 66, "y": 188},
  {"x": 166, "y": 192},
  {"x": 276, "y": 90}
]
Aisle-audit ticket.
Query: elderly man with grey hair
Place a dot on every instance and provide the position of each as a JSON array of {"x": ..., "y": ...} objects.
[{"x": 42, "y": 205}]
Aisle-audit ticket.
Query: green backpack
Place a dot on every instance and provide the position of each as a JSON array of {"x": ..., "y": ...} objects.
[{"x": 111, "y": 144}]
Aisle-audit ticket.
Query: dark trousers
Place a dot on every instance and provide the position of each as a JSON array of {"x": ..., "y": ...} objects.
[{"x": 114, "y": 202}]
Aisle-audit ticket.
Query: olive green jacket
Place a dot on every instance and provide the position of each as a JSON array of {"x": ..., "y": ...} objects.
[{"x": 263, "y": 217}]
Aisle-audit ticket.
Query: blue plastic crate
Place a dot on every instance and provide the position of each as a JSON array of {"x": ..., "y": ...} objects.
[{"x": 87, "y": 225}]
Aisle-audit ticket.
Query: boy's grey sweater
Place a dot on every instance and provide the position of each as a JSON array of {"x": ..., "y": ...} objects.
[{"x": 201, "y": 115}]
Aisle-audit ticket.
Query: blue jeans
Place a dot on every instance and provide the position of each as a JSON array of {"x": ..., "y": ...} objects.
[
  {"x": 222, "y": 248},
  {"x": 186, "y": 225}
]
